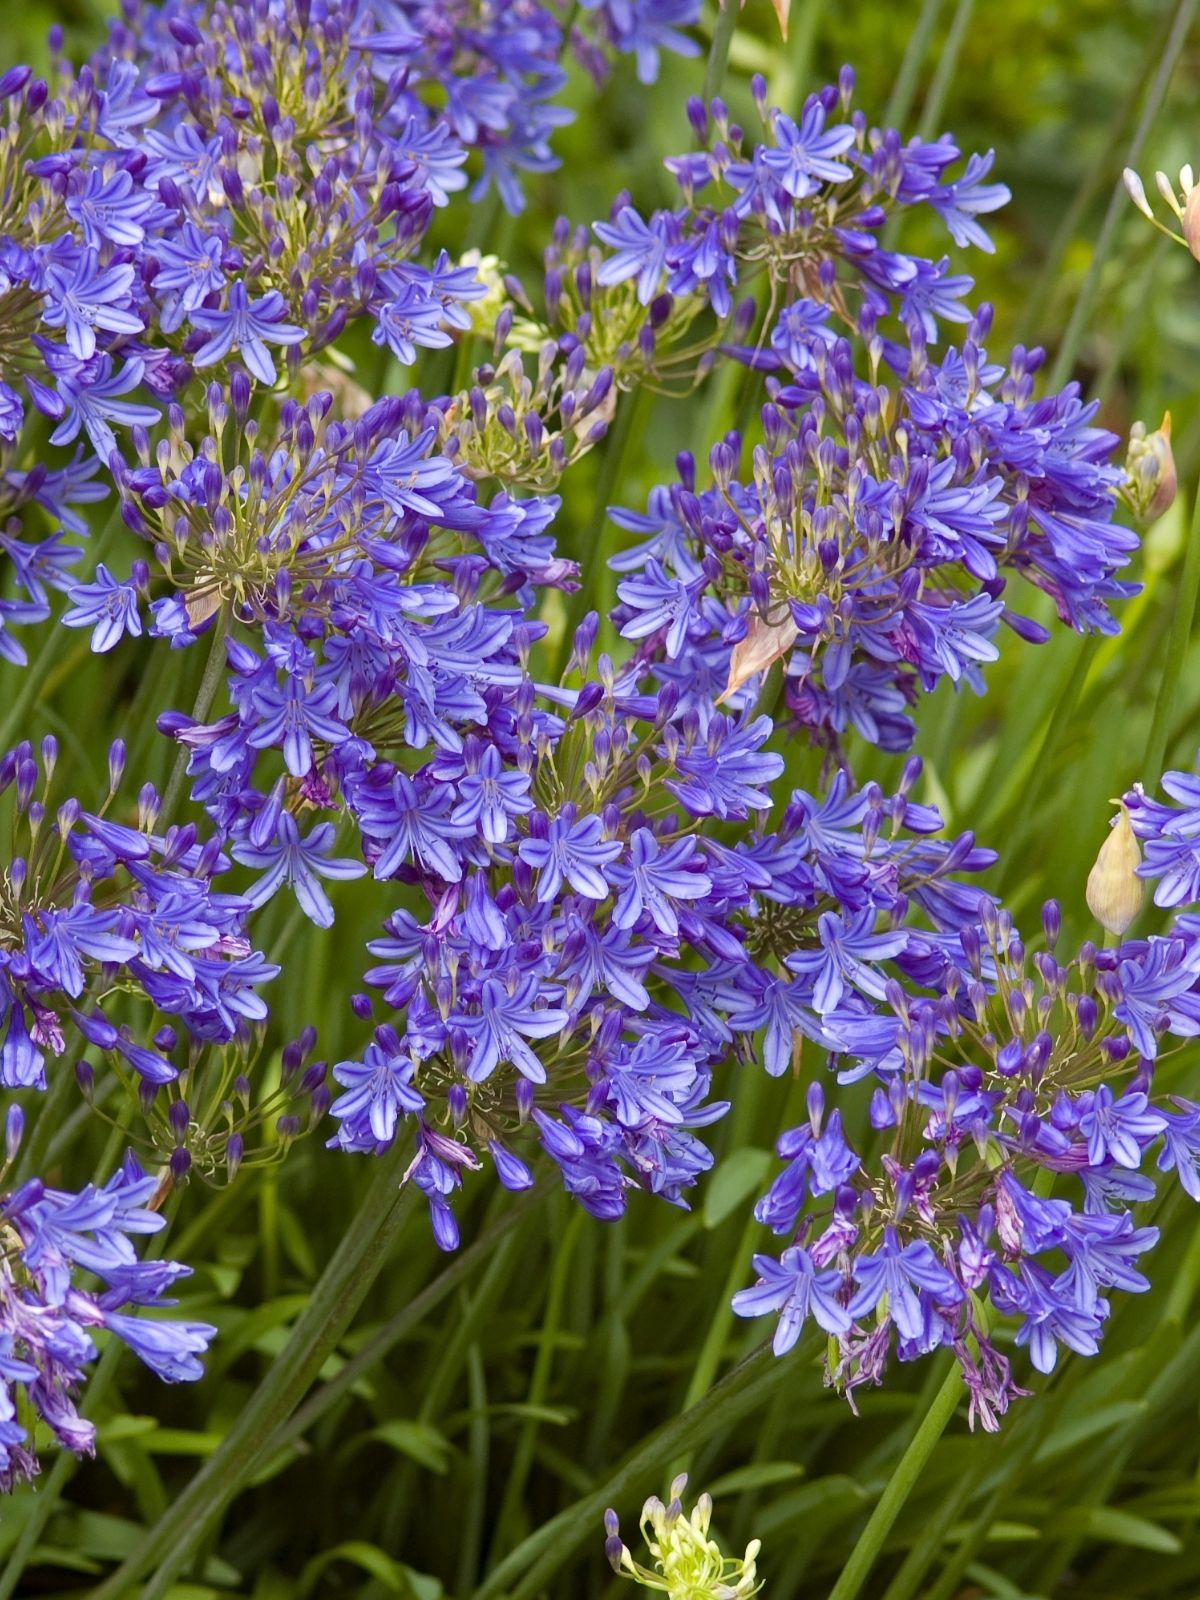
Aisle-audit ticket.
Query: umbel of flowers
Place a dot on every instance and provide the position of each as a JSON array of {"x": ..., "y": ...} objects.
[{"x": 604, "y": 886}]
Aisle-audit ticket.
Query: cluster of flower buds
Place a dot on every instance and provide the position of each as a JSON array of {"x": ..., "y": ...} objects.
[
  {"x": 688, "y": 1563},
  {"x": 1183, "y": 204}
]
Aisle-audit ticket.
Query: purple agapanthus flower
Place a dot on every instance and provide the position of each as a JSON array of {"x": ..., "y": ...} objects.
[
  {"x": 911, "y": 1277},
  {"x": 573, "y": 849},
  {"x": 246, "y": 327},
  {"x": 299, "y": 864},
  {"x": 794, "y": 1288},
  {"x": 107, "y": 605}
]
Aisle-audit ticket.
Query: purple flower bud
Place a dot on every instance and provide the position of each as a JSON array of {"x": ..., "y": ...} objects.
[
  {"x": 313, "y": 1078},
  {"x": 14, "y": 80},
  {"x": 513, "y": 1173},
  {"x": 14, "y": 1128}
]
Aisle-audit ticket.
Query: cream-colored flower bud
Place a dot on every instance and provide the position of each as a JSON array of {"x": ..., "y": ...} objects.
[
  {"x": 1136, "y": 191},
  {"x": 1150, "y": 465},
  {"x": 1114, "y": 891}
]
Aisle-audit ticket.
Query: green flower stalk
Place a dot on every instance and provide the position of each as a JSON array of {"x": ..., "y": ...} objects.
[{"x": 688, "y": 1565}]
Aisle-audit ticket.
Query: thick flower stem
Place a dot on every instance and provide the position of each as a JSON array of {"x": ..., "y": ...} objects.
[
  {"x": 632, "y": 410},
  {"x": 718, "y": 52},
  {"x": 214, "y": 669},
  {"x": 335, "y": 1298},
  {"x": 900, "y": 1485}
]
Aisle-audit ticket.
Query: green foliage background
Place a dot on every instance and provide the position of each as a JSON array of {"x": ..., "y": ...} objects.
[{"x": 511, "y": 1393}]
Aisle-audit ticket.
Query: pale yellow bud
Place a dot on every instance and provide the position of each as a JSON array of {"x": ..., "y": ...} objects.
[{"x": 1114, "y": 891}]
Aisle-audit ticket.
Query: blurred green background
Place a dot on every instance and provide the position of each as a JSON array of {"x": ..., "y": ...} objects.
[{"x": 513, "y": 1395}]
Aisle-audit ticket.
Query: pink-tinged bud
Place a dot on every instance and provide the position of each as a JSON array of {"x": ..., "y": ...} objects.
[
  {"x": 1150, "y": 464},
  {"x": 1191, "y": 221}
]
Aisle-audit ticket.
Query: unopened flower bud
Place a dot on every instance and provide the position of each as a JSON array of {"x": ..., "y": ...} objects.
[
  {"x": 1150, "y": 465},
  {"x": 14, "y": 1128},
  {"x": 1191, "y": 220},
  {"x": 1114, "y": 891}
]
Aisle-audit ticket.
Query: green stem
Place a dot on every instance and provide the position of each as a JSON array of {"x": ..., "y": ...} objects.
[
  {"x": 943, "y": 77},
  {"x": 335, "y": 1298},
  {"x": 631, "y": 410},
  {"x": 1020, "y": 1454},
  {"x": 1119, "y": 203},
  {"x": 718, "y": 51},
  {"x": 478, "y": 1449},
  {"x": 49, "y": 1118},
  {"x": 1177, "y": 645},
  {"x": 550, "y": 1547},
  {"x": 448, "y": 1357},
  {"x": 214, "y": 671},
  {"x": 1032, "y": 316},
  {"x": 398, "y": 1327},
  {"x": 905, "y": 87},
  {"x": 539, "y": 1381},
  {"x": 900, "y": 1485}
]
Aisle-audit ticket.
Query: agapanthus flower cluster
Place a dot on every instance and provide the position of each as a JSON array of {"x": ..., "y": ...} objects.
[
  {"x": 52, "y": 1244},
  {"x": 866, "y": 539},
  {"x": 809, "y": 199},
  {"x": 593, "y": 949},
  {"x": 869, "y": 543},
  {"x": 95, "y": 911},
  {"x": 452, "y": 77},
  {"x": 796, "y": 219},
  {"x": 1016, "y": 1102},
  {"x": 602, "y": 887}
]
